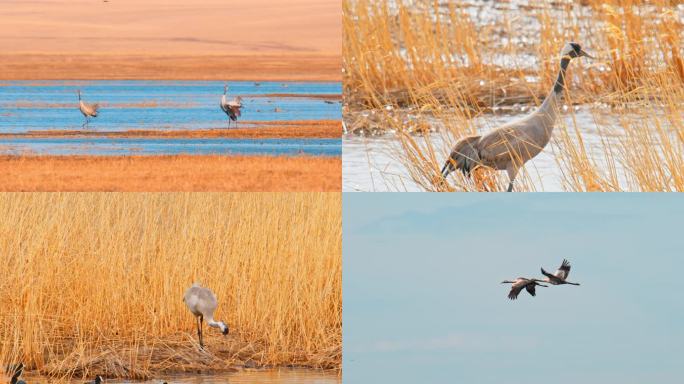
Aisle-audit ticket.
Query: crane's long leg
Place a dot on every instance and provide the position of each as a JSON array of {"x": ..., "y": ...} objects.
[
  {"x": 512, "y": 171},
  {"x": 199, "y": 331}
]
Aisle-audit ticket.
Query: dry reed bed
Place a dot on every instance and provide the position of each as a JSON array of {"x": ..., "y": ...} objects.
[
  {"x": 93, "y": 283},
  {"x": 426, "y": 70}
]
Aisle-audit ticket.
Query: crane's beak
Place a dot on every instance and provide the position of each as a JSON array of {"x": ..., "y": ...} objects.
[{"x": 584, "y": 53}]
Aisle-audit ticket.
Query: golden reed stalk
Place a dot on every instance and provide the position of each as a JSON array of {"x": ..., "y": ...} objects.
[{"x": 93, "y": 283}]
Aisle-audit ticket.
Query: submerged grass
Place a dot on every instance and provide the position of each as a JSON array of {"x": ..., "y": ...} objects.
[
  {"x": 92, "y": 283},
  {"x": 428, "y": 70}
]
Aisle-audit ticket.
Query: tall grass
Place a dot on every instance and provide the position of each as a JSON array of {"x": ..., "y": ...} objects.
[
  {"x": 427, "y": 69},
  {"x": 93, "y": 283}
]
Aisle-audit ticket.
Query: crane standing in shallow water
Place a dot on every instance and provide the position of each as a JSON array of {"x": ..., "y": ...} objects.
[
  {"x": 510, "y": 146},
  {"x": 231, "y": 108},
  {"x": 88, "y": 110},
  {"x": 202, "y": 303}
]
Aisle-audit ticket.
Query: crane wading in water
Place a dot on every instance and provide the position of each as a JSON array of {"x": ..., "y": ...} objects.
[
  {"x": 231, "y": 108},
  {"x": 88, "y": 110},
  {"x": 202, "y": 303},
  {"x": 510, "y": 146}
]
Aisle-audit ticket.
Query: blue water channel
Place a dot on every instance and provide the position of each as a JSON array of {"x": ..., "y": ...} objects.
[{"x": 162, "y": 105}]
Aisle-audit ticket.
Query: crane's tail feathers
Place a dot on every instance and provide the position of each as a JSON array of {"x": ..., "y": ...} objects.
[
  {"x": 464, "y": 157},
  {"x": 96, "y": 108}
]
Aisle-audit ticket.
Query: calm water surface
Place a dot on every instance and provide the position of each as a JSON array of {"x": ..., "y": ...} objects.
[
  {"x": 137, "y": 104},
  {"x": 162, "y": 105}
]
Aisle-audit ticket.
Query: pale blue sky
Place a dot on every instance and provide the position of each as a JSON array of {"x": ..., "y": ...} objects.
[{"x": 423, "y": 301}]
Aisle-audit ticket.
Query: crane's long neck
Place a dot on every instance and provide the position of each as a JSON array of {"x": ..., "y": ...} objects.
[
  {"x": 560, "y": 81},
  {"x": 550, "y": 107}
]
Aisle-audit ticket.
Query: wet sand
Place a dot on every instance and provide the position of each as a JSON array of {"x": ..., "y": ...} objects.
[
  {"x": 319, "y": 129},
  {"x": 171, "y": 39},
  {"x": 170, "y": 173}
]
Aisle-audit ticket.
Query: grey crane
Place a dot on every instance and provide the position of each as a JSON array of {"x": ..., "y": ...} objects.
[
  {"x": 17, "y": 373},
  {"x": 88, "y": 110},
  {"x": 560, "y": 276},
  {"x": 520, "y": 283},
  {"x": 231, "y": 108},
  {"x": 202, "y": 302},
  {"x": 511, "y": 145}
]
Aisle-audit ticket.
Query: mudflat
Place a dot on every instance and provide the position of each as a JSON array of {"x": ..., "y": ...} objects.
[
  {"x": 170, "y": 173},
  {"x": 174, "y": 39}
]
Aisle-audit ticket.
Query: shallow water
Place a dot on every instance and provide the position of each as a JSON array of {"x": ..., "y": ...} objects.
[
  {"x": 162, "y": 105},
  {"x": 173, "y": 146},
  {"x": 279, "y": 376},
  {"x": 141, "y": 104},
  {"x": 371, "y": 165}
]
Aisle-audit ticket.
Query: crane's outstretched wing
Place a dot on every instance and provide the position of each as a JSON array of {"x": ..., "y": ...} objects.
[
  {"x": 530, "y": 289},
  {"x": 515, "y": 290},
  {"x": 513, "y": 294},
  {"x": 564, "y": 270}
]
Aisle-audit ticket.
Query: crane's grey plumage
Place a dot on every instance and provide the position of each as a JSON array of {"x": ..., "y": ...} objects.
[
  {"x": 17, "y": 373},
  {"x": 231, "y": 108},
  {"x": 520, "y": 283},
  {"x": 561, "y": 275},
  {"x": 202, "y": 303},
  {"x": 510, "y": 146},
  {"x": 88, "y": 110}
]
